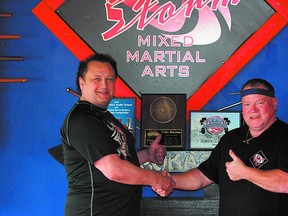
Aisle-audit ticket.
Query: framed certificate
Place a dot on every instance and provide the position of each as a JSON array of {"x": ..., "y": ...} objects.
[
  {"x": 124, "y": 110},
  {"x": 207, "y": 127}
]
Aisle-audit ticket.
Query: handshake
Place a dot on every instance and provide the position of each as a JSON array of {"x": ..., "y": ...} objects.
[{"x": 164, "y": 185}]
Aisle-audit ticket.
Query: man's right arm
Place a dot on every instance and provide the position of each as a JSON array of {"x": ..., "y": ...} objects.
[
  {"x": 123, "y": 171},
  {"x": 193, "y": 179}
]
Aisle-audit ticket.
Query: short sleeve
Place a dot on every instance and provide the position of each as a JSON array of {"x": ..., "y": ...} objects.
[{"x": 89, "y": 136}]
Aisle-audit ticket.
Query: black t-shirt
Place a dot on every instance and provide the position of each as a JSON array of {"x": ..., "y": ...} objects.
[
  {"x": 88, "y": 134},
  {"x": 266, "y": 152}
]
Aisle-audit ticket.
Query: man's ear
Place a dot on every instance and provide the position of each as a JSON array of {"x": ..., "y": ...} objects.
[
  {"x": 275, "y": 103},
  {"x": 81, "y": 82}
]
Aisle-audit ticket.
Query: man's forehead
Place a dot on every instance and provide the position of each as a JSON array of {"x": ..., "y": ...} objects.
[{"x": 100, "y": 67}]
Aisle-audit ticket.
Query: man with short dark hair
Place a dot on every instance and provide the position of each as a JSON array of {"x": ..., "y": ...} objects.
[{"x": 102, "y": 165}]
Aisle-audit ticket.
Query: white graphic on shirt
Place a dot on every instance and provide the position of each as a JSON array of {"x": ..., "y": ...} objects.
[
  {"x": 120, "y": 137},
  {"x": 258, "y": 159}
]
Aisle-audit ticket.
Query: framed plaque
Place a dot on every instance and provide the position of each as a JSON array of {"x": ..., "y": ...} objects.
[
  {"x": 124, "y": 110},
  {"x": 207, "y": 127},
  {"x": 165, "y": 114}
]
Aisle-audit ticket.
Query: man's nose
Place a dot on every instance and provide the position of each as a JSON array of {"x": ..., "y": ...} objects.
[
  {"x": 254, "y": 107},
  {"x": 103, "y": 83}
]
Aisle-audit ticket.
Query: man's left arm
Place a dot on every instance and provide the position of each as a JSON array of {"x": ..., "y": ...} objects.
[{"x": 274, "y": 180}]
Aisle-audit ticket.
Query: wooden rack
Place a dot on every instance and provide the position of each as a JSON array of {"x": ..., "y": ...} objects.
[
  {"x": 8, "y": 37},
  {"x": 6, "y": 15},
  {"x": 7, "y": 80},
  {"x": 10, "y": 58}
]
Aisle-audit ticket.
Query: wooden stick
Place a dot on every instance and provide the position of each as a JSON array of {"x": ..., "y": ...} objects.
[
  {"x": 4, "y": 15},
  {"x": 9, "y": 36},
  {"x": 9, "y": 80},
  {"x": 72, "y": 92},
  {"x": 11, "y": 58}
]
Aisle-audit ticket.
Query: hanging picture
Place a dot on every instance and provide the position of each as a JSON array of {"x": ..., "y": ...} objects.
[{"x": 207, "y": 127}]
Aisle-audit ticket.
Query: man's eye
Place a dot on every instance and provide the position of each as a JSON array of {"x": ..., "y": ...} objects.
[{"x": 260, "y": 102}]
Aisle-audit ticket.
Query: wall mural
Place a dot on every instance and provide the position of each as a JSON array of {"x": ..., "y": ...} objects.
[
  {"x": 179, "y": 46},
  {"x": 192, "y": 47}
]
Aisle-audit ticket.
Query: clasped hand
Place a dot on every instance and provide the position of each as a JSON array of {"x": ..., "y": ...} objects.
[{"x": 166, "y": 187}]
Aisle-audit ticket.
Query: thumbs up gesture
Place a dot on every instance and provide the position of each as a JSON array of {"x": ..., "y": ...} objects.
[{"x": 235, "y": 168}]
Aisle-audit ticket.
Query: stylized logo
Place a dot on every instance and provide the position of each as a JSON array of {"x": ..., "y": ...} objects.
[
  {"x": 169, "y": 18},
  {"x": 258, "y": 159},
  {"x": 214, "y": 125}
]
